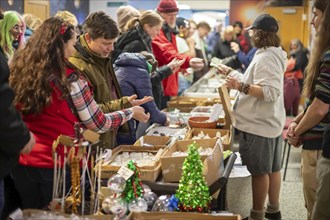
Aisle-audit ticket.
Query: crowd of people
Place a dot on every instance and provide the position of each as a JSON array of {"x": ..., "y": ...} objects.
[{"x": 102, "y": 74}]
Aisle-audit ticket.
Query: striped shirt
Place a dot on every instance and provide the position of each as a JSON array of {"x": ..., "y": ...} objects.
[
  {"x": 90, "y": 114},
  {"x": 323, "y": 85},
  {"x": 313, "y": 137}
]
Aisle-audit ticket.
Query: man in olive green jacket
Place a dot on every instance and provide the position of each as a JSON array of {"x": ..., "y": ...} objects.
[{"x": 92, "y": 58}]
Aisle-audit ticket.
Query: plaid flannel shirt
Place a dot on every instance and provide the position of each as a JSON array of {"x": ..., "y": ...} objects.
[{"x": 90, "y": 113}]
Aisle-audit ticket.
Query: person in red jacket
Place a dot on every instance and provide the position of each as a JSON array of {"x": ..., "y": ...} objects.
[
  {"x": 53, "y": 96},
  {"x": 165, "y": 48}
]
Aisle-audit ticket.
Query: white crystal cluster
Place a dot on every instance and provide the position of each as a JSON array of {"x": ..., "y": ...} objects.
[
  {"x": 201, "y": 135},
  {"x": 201, "y": 151},
  {"x": 140, "y": 158}
]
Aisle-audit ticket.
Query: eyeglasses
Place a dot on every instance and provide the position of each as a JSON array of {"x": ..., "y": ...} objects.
[{"x": 16, "y": 27}]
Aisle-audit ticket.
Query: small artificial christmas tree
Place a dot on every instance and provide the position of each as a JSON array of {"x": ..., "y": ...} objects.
[
  {"x": 133, "y": 187},
  {"x": 193, "y": 192}
]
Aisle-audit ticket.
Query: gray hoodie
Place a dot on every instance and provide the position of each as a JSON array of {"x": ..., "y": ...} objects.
[{"x": 264, "y": 117}]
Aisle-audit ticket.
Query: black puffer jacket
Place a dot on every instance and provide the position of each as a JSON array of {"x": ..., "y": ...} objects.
[
  {"x": 14, "y": 135},
  {"x": 131, "y": 41}
]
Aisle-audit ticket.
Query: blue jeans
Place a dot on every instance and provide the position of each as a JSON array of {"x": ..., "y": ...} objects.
[{"x": 2, "y": 196}]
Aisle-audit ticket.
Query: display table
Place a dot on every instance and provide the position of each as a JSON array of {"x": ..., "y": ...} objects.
[
  {"x": 207, "y": 86},
  {"x": 181, "y": 215},
  {"x": 161, "y": 188},
  {"x": 220, "y": 204},
  {"x": 219, "y": 172}
]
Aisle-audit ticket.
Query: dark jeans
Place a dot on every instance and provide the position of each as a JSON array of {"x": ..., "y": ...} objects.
[
  {"x": 35, "y": 186},
  {"x": 12, "y": 200},
  {"x": 2, "y": 196}
]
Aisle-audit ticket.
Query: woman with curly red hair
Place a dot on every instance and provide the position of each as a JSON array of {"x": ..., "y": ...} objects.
[{"x": 53, "y": 96}]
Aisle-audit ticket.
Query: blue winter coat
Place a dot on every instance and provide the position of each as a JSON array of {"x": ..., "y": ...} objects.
[{"x": 133, "y": 77}]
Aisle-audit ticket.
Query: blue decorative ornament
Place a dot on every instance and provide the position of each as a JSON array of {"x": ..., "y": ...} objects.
[{"x": 173, "y": 203}]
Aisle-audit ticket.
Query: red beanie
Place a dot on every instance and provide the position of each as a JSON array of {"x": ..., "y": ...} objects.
[{"x": 167, "y": 6}]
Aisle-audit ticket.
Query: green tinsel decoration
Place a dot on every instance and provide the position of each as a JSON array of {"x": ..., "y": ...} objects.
[
  {"x": 193, "y": 192},
  {"x": 133, "y": 187}
]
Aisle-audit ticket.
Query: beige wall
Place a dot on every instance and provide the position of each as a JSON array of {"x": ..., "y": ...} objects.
[
  {"x": 292, "y": 25},
  {"x": 293, "y": 21},
  {"x": 39, "y": 8}
]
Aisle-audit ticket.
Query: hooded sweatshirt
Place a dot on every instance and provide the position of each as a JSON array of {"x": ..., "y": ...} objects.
[{"x": 264, "y": 117}]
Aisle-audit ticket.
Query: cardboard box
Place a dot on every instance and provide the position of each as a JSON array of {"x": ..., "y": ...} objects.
[
  {"x": 180, "y": 108},
  {"x": 172, "y": 165},
  {"x": 165, "y": 131},
  {"x": 184, "y": 102},
  {"x": 206, "y": 111},
  {"x": 226, "y": 133},
  {"x": 181, "y": 216},
  {"x": 148, "y": 173},
  {"x": 227, "y": 105},
  {"x": 211, "y": 102},
  {"x": 188, "y": 99},
  {"x": 145, "y": 174},
  {"x": 217, "y": 101},
  {"x": 176, "y": 104},
  {"x": 152, "y": 141},
  {"x": 31, "y": 213}
]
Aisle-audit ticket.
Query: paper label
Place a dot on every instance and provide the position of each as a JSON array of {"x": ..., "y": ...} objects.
[
  {"x": 106, "y": 155},
  {"x": 91, "y": 136},
  {"x": 65, "y": 140},
  {"x": 125, "y": 172}
]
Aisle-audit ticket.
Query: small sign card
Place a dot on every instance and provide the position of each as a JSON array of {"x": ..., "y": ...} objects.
[{"x": 125, "y": 172}]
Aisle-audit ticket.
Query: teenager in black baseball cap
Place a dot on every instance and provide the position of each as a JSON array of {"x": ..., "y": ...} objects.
[{"x": 261, "y": 92}]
